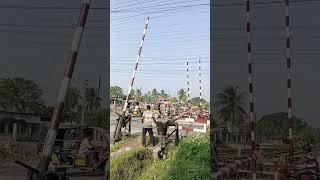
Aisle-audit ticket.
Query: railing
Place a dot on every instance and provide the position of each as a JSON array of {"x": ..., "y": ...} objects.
[{"x": 236, "y": 137}]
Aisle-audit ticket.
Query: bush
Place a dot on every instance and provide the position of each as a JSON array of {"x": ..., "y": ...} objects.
[
  {"x": 130, "y": 164},
  {"x": 189, "y": 160}
]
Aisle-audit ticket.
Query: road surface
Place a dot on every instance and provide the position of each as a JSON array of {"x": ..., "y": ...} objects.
[{"x": 18, "y": 173}]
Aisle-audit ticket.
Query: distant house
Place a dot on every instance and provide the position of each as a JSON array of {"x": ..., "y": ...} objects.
[{"x": 21, "y": 126}]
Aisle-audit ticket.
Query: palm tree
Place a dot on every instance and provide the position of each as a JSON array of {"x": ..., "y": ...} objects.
[
  {"x": 182, "y": 95},
  {"x": 92, "y": 100},
  {"x": 154, "y": 94},
  {"x": 138, "y": 94},
  {"x": 72, "y": 99},
  {"x": 162, "y": 93},
  {"x": 230, "y": 105}
]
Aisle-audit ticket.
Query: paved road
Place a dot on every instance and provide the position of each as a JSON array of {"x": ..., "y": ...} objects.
[{"x": 20, "y": 174}]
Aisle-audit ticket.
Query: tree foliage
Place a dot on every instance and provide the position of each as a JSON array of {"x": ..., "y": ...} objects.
[
  {"x": 276, "y": 126},
  {"x": 20, "y": 95},
  {"x": 196, "y": 102},
  {"x": 93, "y": 102},
  {"x": 116, "y": 92},
  {"x": 230, "y": 105},
  {"x": 182, "y": 95}
]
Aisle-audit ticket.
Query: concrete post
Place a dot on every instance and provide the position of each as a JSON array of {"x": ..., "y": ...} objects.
[
  {"x": 6, "y": 128},
  {"x": 14, "y": 130}
]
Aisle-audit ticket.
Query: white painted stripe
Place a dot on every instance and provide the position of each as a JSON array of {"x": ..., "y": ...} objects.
[
  {"x": 77, "y": 39},
  {"x": 63, "y": 89},
  {"x": 249, "y": 41},
  {"x": 254, "y": 176},
  {"x": 286, "y": 9},
  {"x": 50, "y": 139},
  {"x": 252, "y": 136},
  {"x": 290, "y": 133},
  {"x": 86, "y": 1},
  {"x": 250, "y": 78},
  {"x": 251, "y": 116},
  {"x": 289, "y": 92},
  {"x": 250, "y": 97}
]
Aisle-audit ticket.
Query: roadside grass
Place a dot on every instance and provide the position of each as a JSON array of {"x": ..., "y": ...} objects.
[
  {"x": 189, "y": 160},
  {"x": 133, "y": 141},
  {"x": 131, "y": 164}
]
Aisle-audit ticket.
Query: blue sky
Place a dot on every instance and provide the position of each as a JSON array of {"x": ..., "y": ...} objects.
[{"x": 178, "y": 32}]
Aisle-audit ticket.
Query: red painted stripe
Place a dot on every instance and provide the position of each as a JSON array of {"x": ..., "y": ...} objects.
[
  {"x": 287, "y": 21},
  {"x": 250, "y": 88},
  {"x": 136, "y": 66},
  {"x": 248, "y": 6},
  {"x": 251, "y": 106},
  {"x": 288, "y": 42},
  {"x": 83, "y": 15},
  {"x": 72, "y": 62},
  {"x": 288, "y": 63},
  {"x": 56, "y": 116},
  {"x": 140, "y": 49},
  {"x": 249, "y": 47},
  {"x": 187, "y": 129},
  {"x": 289, "y": 83},
  {"x": 289, "y": 102},
  {"x": 248, "y": 27},
  {"x": 250, "y": 68}
]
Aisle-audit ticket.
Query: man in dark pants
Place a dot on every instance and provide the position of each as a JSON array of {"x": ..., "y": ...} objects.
[{"x": 147, "y": 119}]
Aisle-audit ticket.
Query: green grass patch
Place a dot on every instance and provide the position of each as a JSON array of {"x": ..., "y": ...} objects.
[
  {"x": 130, "y": 165},
  {"x": 120, "y": 144},
  {"x": 189, "y": 160},
  {"x": 131, "y": 142}
]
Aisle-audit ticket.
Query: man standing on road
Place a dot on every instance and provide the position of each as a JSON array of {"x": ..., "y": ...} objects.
[{"x": 147, "y": 119}]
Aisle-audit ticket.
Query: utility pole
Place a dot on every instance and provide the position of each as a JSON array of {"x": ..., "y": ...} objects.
[
  {"x": 56, "y": 116},
  {"x": 200, "y": 88},
  {"x": 85, "y": 91},
  {"x": 98, "y": 92},
  {"x": 288, "y": 58},
  {"x": 250, "y": 86}
]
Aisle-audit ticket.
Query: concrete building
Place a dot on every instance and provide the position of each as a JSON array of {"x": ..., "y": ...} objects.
[{"x": 20, "y": 126}]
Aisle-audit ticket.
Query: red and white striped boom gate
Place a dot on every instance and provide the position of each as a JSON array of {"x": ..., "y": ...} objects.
[
  {"x": 56, "y": 116},
  {"x": 119, "y": 126}
]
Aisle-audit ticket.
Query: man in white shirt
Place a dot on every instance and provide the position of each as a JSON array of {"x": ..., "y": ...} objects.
[
  {"x": 147, "y": 120},
  {"x": 86, "y": 148}
]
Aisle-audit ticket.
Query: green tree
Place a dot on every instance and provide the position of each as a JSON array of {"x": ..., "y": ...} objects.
[
  {"x": 230, "y": 106},
  {"x": 93, "y": 102},
  {"x": 196, "y": 102},
  {"x": 20, "y": 95},
  {"x": 182, "y": 95},
  {"x": 72, "y": 99},
  {"x": 275, "y": 126},
  {"x": 138, "y": 94},
  {"x": 98, "y": 118},
  {"x": 132, "y": 94},
  {"x": 154, "y": 94},
  {"x": 174, "y": 100},
  {"x": 162, "y": 93},
  {"x": 116, "y": 92}
]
